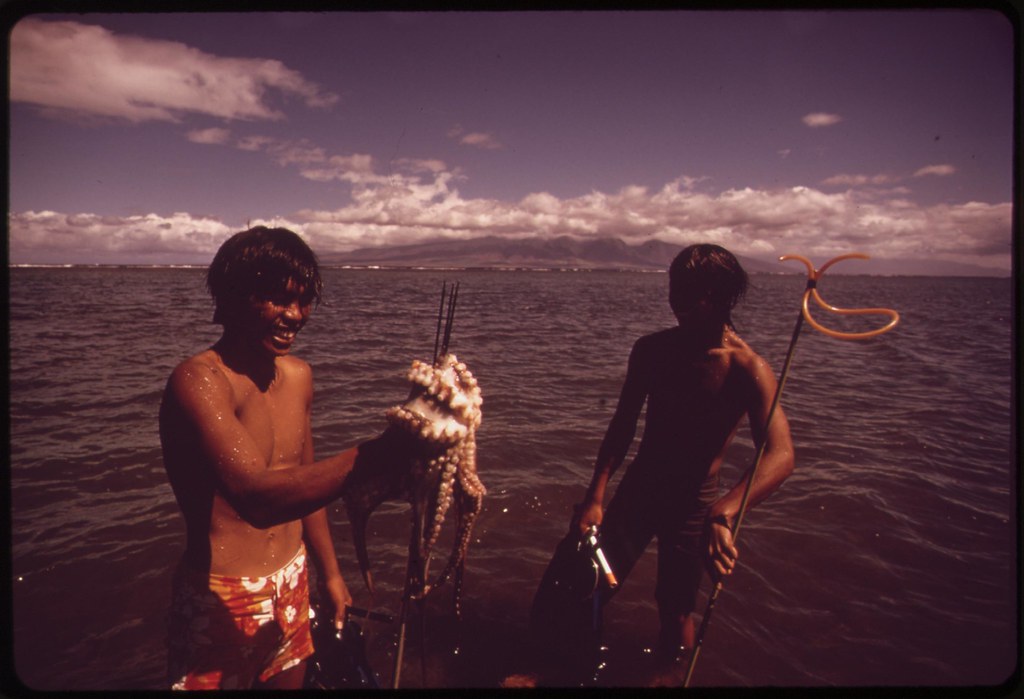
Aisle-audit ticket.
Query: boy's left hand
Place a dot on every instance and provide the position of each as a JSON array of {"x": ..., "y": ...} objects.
[{"x": 338, "y": 594}]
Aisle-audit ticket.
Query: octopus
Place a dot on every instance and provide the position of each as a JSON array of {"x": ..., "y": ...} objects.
[{"x": 443, "y": 412}]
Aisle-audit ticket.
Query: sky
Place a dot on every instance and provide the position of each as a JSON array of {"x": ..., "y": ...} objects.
[{"x": 146, "y": 138}]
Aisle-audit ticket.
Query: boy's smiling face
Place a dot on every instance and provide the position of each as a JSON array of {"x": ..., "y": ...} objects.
[{"x": 272, "y": 321}]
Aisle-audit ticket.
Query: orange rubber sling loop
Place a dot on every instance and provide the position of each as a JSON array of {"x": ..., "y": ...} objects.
[{"x": 811, "y": 290}]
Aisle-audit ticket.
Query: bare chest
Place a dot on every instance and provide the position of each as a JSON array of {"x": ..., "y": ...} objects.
[
  {"x": 703, "y": 387},
  {"x": 276, "y": 421}
]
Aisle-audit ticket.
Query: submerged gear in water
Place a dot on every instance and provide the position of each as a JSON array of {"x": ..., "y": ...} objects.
[
  {"x": 565, "y": 617},
  {"x": 339, "y": 661}
]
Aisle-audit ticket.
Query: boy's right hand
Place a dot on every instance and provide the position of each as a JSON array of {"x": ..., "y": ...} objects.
[
  {"x": 406, "y": 447},
  {"x": 722, "y": 552},
  {"x": 388, "y": 458}
]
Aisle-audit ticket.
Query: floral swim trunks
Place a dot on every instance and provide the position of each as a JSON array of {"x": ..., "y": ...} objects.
[{"x": 227, "y": 632}]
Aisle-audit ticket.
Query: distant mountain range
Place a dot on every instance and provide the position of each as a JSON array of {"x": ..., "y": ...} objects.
[
  {"x": 564, "y": 252},
  {"x": 493, "y": 252}
]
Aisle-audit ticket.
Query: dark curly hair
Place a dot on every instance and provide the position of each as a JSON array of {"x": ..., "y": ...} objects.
[{"x": 260, "y": 262}]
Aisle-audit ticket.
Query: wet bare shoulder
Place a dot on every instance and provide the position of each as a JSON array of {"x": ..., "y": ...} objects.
[
  {"x": 199, "y": 382},
  {"x": 297, "y": 374},
  {"x": 295, "y": 368},
  {"x": 745, "y": 360}
]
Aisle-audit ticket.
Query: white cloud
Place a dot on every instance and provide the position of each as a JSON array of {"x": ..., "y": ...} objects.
[
  {"x": 859, "y": 180},
  {"x": 350, "y": 168},
  {"x": 49, "y": 236},
  {"x": 481, "y": 140},
  {"x": 254, "y": 143},
  {"x": 214, "y": 136},
  {"x": 884, "y": 179},
  {"x": 476, "y": 139},
  {"x": 940, "y": 170},
  {"x": 419, "y": 165},
  {"x": 817, "y": 119},
  {"x": 86, "y": 69},
  {"x": 405, "y": 208},
  {"x": 300, "y": 152}
]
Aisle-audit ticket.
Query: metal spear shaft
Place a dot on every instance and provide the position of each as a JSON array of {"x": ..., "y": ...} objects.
[{"x": 717, "y": 590}]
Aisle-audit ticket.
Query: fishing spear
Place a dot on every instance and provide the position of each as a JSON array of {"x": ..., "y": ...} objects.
[
  {"x": 441, "y": 341},
  {"x": 811, "y": 291}
]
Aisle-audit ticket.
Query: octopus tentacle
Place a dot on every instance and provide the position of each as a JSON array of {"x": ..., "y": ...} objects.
[
  {"x": 444, "y": 498},
  {"x": 469, "y": 502},
  {"x": 475, "y": 507},
  {"x": 468, "y": 508},
  {"x": 362, "y": 495},
  {"x": 468, "y": 477}
]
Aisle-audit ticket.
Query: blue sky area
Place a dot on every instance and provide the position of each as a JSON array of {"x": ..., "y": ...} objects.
[{"x": 149, "y": 138}]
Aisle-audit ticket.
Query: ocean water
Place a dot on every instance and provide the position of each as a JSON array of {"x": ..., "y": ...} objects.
[{"x": 889, "y": 558}]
